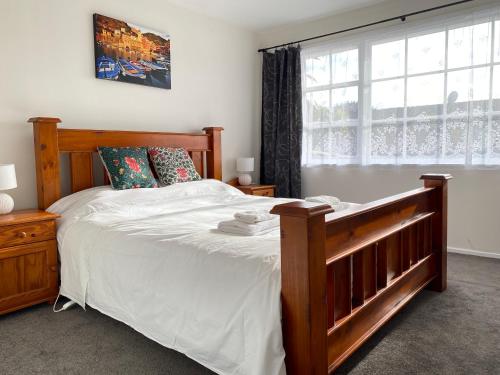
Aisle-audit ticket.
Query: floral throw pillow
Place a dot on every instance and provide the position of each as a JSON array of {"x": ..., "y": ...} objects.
[
  {"x": 127, "y": 167},
  {"x": 173, "y": 165}
]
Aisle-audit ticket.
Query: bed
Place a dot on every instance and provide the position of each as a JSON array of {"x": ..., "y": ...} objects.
[{"x": 153, "y": 259}]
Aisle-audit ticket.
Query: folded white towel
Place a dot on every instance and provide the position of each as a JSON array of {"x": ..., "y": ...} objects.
[
  {"x": 238, "y": 227},
  {"x": 333, "y": 202},
  {"x": 254, "y": 216},
  {"x": 326, "y": 199}
]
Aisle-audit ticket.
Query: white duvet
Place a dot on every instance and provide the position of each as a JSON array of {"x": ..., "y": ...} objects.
[{"x": 153, "y": 259}]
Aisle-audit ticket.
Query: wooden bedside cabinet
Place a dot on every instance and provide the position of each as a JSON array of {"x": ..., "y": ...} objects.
[
  {"x": 28, "y": 259},
  {"x": 262, "y": 190}
]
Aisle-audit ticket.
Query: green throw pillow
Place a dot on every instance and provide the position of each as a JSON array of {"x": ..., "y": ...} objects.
[
  {"x": 127, "y": 167},
  {"x": 173, "y": 165}
]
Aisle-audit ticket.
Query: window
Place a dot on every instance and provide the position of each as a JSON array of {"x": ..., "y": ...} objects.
[
  {"x": 332, "y": 109},
  {"x": 421, "y": 96}
]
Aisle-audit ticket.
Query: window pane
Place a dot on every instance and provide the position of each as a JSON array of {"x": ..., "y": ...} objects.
[
  {"x": 426, "y": 53},
  {"x": 479, "y": 139},
  {"x": 321, "y": 145},
  {"x": 496, "y": 88},
  {"x": 423, "y": 140},
  {"x": 318, "y": 106},
  {"x": 388, "y": 59},
  {"x": 317, "y": 71},
  {"x": 344, "y": 141},
  {"x": 495, "y": 135},
  {"x": 497, "y": 42},
  {"x": 387, "y": 141},
  {"x": 456, "y": 137},
  {"x": 330, "y": 143},
  {"x": 468, "y": 87},
  {"x": 388, "y": 99},
  {"x": 345, "y": 66},
  {"x": 425, "y": 95},
  {"x": 469, "y": 45},
  {"x": 345, "y": 103}
]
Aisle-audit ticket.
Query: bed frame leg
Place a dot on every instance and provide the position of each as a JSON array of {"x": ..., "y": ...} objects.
[
  {"x": 303, "y": 287},
  {"x": 439, "y": 227}
]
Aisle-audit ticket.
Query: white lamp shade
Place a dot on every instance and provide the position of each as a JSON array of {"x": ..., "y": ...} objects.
[
  {"x": 7, "y": 177},
  {"x": 244, "y": 164}
]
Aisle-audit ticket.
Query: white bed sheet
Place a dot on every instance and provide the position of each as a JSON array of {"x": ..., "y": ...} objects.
[{"x": 153, "y": 259}]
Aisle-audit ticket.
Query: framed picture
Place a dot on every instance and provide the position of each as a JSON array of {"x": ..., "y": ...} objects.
[{"x": 129, "y": 53}]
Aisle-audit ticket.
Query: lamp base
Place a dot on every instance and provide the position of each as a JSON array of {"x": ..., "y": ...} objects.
[
  {"x": 6, "y": 203},
  {"x": 244, "y": 179}
]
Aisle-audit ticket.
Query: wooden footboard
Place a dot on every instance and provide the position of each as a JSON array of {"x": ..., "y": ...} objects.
[{"x": 345, "y": 274}]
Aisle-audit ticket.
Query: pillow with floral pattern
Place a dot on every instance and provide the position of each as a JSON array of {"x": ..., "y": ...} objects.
[
  {"x": 127, "y": 167},
  {"x": 173, "y": 165}
]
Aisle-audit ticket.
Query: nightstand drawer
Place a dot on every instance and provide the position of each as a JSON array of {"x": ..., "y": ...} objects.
[
  {"x": 11, "y": 235},
  {"x": 255, "y": 189},
  {"x": 264, "y": 192}
]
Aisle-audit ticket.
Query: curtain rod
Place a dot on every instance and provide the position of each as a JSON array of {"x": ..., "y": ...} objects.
[{"x": 401, "y": 17}]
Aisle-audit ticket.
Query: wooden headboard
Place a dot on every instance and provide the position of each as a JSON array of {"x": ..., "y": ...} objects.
[{"x": 80, "y": 144}]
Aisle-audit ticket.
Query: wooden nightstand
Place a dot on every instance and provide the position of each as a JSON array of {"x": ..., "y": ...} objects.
[
  {"x": 28, "y": 259},
  {"x": 263, "y": 190}
]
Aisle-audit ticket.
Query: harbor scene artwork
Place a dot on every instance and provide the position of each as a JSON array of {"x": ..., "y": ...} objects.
[{"x": 129, "y": 53}]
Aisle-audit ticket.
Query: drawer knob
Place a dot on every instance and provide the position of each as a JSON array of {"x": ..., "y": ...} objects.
[{"x": 22, "y": 235}]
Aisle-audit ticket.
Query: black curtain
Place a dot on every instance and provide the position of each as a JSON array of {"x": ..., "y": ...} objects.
[{"x": 281, "y": 122}]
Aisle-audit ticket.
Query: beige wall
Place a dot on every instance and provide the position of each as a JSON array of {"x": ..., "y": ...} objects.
[
  {"x": 474, "y": 196},
  {"x": 47, "y": 69},
  {"x": 474, "y": 202}
]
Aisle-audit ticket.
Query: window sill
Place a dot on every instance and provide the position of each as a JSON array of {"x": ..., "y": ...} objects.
[{"x": 492, "y": 168}]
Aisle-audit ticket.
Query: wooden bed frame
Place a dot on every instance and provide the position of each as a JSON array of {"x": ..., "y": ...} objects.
[{"x": 343, "y": 274}]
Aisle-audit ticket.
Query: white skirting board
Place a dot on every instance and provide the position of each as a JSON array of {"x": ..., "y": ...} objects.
[{"x": 476, "y": 253}]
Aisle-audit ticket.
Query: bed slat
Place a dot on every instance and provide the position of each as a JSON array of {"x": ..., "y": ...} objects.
[
  {"x": 406, "y": 244},
  {"x": 342, "y": 284},
  {"x": 106, "y": 180},
  {"x": 81, "y": 171},
  {"x": 393, "y": 256},
  {"x": 197, "y": 157},
  {"x": 381, "y": 251},
  {"x": 370, "y": 270},
  {"x": 358, "y": 279}
]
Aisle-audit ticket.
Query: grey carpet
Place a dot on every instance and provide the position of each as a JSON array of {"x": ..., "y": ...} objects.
[{"x": 456, "y": 332}]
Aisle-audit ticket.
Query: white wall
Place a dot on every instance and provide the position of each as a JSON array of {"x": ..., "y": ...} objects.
[
  {"x": 474, "y": 193},
  {"x": 47, "y": 69}
]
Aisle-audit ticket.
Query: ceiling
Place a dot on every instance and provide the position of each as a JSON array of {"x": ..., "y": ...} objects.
[{"x": 263, "y": 14}]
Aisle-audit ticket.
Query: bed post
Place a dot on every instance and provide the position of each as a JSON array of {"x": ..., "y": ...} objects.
[
  {"x": 214, "y": 156},
  {"x": 47, "y": 160},
  {"x": 303, "y": 286},
  {"x": 439, "y": 226}
]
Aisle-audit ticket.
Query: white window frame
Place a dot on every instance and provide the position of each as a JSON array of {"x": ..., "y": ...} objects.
[{"x": 363, "y": 43}]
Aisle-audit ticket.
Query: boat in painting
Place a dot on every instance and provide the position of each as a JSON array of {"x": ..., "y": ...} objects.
[
  {"x": 107, "y": 68},
  {"x": 131, "y": 70},
  {"x": 140, "y": 65},
  {"x": 153, "y": 65}
]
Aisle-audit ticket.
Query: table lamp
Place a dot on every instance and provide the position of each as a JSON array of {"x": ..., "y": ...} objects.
[
  {"x": 7, "y": 181},
  {"x": 244, "y": 165}
]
